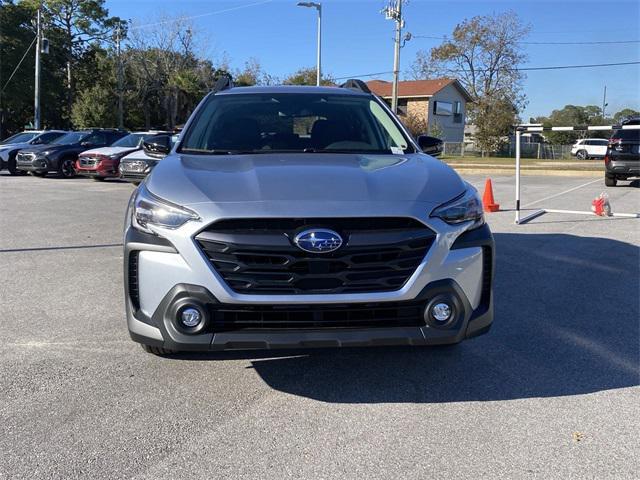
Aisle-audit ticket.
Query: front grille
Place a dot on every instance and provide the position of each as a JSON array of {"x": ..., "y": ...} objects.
[
  {"x": 256, "y": 256},
  {"x": 368, "y": 315},
  {"x": 25, "y": 157},
  {"x": 88, "y": 162}
]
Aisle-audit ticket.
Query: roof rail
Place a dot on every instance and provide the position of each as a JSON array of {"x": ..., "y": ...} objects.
[
  {"x": 355, "y": 84},
  {"x": 223, "y": 83}
]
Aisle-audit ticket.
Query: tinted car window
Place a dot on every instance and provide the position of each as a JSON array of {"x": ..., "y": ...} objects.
[
  {"x": 132, "y": 140},
  {"x": 70, "y": 138},
  {"x": 259, "y": 123},
  {"x": 627, "y": 135},
  {"x": 97, "y": 138},
  {"x": 47, "y": 137}
]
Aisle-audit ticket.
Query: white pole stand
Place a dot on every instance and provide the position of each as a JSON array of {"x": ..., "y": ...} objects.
[{"x": 531, "y": 216}]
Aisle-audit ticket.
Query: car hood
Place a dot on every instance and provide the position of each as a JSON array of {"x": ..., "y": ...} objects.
[
  {"x": 190, "y": 179},
  {"x": 110, "y": 151},
  {"x": 138, "y": 155}
]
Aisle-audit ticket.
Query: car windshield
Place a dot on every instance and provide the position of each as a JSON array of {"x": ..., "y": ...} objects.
[
  {"x": 292, "y": 122},
  {"x": 132, "y": 140},
  {"x": 23, "y": 137},
  {"x": 70, "y": 138}
]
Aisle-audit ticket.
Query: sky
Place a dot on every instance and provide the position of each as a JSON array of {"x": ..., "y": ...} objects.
[{"x": 357, "y": 39}]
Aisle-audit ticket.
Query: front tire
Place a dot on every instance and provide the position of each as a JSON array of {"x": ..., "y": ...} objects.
[
  {"x": 159, "y": 351},
  {"x": 582, "y": 155},
  {"x": 67, "y": 168},
  {"x": 610, "y": 181},
  {"x": 12, "y": 167}
]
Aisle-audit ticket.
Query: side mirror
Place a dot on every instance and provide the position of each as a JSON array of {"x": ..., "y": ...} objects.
[
  {"x": 86, "y": 144},
  {"x": 430, "y": 145},
  {"x": 158, "y": 147}
]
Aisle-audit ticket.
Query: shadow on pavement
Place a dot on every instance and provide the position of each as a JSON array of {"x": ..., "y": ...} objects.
[{"x": 566, "y": 324}]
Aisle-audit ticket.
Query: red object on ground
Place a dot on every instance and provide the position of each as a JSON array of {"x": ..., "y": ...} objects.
[
  {"x": 488, "y": 203},
  {"x": 597, "y": 206}
]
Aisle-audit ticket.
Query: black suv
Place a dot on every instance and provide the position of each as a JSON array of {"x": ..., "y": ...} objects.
[
  {"x": 622, "y": 160},
  {"x": 60, "y": 155}
]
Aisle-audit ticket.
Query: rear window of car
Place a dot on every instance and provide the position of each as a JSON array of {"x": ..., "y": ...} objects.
[{"x": 628, "y": 135}]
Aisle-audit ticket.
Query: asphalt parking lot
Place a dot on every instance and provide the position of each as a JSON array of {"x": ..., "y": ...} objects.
[{"x": 551, "y": 392}]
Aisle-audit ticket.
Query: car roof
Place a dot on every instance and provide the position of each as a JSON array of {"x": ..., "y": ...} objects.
[{"x": 291, "y": 89}]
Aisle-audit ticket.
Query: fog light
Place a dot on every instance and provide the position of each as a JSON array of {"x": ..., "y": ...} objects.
[
  {"x": 441, "y": 312},
  {"x": 190, "y": 317}
]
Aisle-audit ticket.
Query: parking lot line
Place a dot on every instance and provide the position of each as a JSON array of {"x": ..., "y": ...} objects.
[{"x": 562, "y": 193}]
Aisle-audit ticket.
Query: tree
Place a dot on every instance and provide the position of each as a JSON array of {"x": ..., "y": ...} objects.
[
  {"x": 481, "y": 54},
  {"x": 165, "y": 74},
  {"x": 17, "y": 32},
  {"x": 624, "y": 113},
  {"x": 253, "y": 74},
  {"x": 574, "y": 115},
  {"x": 308, "y": 76},
  {"x": 83, "y": 22},
  {"x": 94, "y": 107}
]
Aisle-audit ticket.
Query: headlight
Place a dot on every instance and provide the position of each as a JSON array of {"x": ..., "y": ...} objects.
[
  {"x": 150, "y": 210},
  {"x": 466, "y": 208}
]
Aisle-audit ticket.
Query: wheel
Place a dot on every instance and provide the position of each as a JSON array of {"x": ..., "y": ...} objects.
[
  {"x": 610, "y": 181},
  {"x": 99, "y": 179},
  {"x": 67, "y": 168},
  {"x": 12, "y": 166},
  {"x": 156, "y": 350},
  {"x": 582, "y": 155}
]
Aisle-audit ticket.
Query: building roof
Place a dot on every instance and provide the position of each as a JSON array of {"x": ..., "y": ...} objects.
[{"x": 416, "y": 88}]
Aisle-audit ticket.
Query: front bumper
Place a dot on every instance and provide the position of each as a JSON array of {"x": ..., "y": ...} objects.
[
  {"x": 103, "y": 169},
  {"x": 133, "y": 177},
  {"x": 38, "y": 165},
  {"x": 165, "y": 276}
]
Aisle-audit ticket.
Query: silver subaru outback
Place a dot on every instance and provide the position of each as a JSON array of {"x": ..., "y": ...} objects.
[{"x": 303, "y": 217}]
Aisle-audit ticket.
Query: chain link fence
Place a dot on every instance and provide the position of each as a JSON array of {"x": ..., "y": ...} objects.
[{"x": 543, "y": 151}]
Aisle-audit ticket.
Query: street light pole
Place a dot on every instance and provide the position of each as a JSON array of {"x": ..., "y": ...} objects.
[
  {"x": 36, "y": 97},
  {"x": 317, "y": 6}
]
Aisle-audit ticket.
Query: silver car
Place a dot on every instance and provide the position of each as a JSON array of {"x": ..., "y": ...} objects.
[{"x": 303, "y": 217}]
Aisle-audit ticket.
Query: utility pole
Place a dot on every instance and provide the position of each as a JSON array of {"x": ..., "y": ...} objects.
[
  {"x": 36, "y": 99},
  {"x": 394, "y": 12},
  {"x": 119, "y": 75},
  {"x": 604, "y": 102}
]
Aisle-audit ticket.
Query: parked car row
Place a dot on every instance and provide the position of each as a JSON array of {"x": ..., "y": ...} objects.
[{"x": 97, "y": 153}]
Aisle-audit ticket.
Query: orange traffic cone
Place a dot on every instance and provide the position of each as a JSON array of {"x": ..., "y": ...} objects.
[{"x": 488, "y": 202}]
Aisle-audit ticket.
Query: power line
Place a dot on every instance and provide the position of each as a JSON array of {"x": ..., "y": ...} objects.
[
  {"x": 604, "y": 42},
  {"x": 554, "y": 67},
  {"x": 201, "y": 15},
  {"x": 19, "y": 63}
]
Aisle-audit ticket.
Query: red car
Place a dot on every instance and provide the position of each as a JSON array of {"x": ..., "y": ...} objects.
[{"x": 101, "y": 163}]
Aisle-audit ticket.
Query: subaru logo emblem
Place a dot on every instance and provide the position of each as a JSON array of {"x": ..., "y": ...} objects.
[{"x": 318, "y": 240}]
